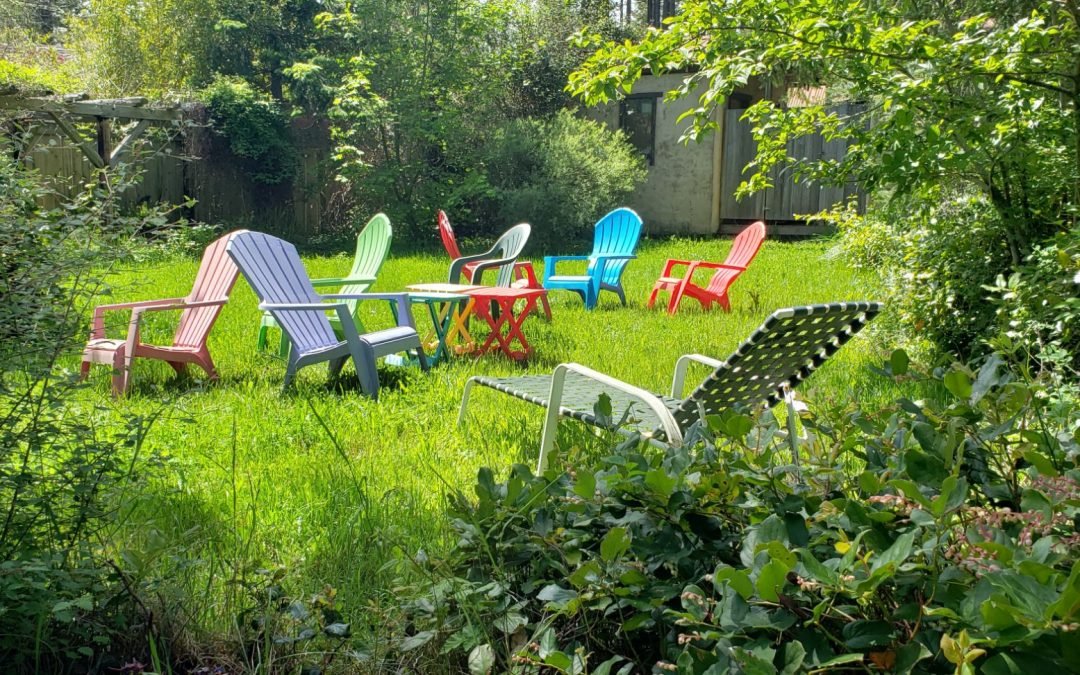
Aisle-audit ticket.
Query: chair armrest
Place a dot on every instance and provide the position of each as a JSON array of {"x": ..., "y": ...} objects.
[
  {"x": 400, "y": 301},
  {"x": 720, "y": 266},
  {"x": 679, "y": 379},
  {"x": 479, "y": 268},
  {"x": 97, "y": 326},
  {"x": 341, "y": 281},
  {"x": 459, "y": 264},
  {"x": 550, "y": 261},
  {"x": 558, "y": 378},
  {"x": 300, "y": 306}
]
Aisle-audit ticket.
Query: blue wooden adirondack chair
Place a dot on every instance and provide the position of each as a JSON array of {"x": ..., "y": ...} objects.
[
  {"x": 273, "y": 269},
  {"x": 615, "y": 240}
]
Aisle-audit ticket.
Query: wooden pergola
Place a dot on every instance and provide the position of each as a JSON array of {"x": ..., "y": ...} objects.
[{"x": 64, "y": 112}]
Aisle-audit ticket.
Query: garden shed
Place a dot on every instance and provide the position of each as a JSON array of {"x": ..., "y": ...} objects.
[{"x": 690, "y": 187}]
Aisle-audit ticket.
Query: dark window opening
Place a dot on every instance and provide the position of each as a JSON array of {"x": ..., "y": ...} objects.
[
  {"x": 658, "y": 10},
  {"x": 739, "y": 101},
  {"x": 637, "y": 117}
]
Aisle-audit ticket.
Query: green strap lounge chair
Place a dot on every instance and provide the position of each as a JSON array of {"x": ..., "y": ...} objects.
[
  {"x": 779, "y": 355},
  {"x": 372, "y": 247}
]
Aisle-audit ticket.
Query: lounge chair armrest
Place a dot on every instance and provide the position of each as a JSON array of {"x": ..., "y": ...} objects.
[
  {"x": 667, "y": 420},
  {"x": 681, "y": 365},
  {"x": 342, "y": 281}
]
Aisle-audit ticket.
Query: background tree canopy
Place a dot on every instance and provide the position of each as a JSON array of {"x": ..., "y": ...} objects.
[{"x": 972, "y": 102}]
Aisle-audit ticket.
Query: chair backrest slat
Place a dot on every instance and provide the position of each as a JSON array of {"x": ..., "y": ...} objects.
[
  {"x": 617, "y": 233},
  {"x": 742, "y": 253},
  {"x": 509, "y": 246},
  {"x": 372, "y": 247},
  {"x": 446, "y": 233},
  {"x": 789, "y": 346},
  {"x": 214, "y": 281},
  {"x": 273, "y": 269}
]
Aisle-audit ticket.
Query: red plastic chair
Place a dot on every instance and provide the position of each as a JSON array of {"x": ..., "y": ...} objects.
[
  {"x": 199, "y": 310},
  {"x": 524, "y": 275},
  {"x": 743, "y": 250}
]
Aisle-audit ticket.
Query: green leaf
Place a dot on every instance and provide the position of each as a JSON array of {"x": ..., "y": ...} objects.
[
  {"x": 559, "y": 660},
  {"x": 416, "y": 641},
  {"x": 585, "y": 487},
  {"x": 556, "y": 595},
  {"x": 895, "y": 554},
  {"x": 587, "y": 574},
  {"x": 605, "y": 667},
  {"x": 615, "y": 543},
  {"x": 958, "y": 383},
  {"x": 481, "y": 660},
  {"x": 898, "y": 362},
  {"x": 864, "y": 634},
  {"x": 771, "y": 580}
]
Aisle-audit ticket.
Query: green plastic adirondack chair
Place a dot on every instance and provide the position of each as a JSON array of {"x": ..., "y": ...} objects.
[{"x": 372, "y": 246}]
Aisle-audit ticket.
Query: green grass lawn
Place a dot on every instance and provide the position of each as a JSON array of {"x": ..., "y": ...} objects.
[{"x": 254, "y": 479}]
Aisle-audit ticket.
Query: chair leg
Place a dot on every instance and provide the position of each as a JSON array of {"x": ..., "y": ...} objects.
[
  {"x": 547, "y": 307},
  {"x": 364, "y": 360},
  {"x": 84, "y": 371},
  {"x": 336, "y": 365},
  {"x": 121, "y": 372},
  {"x": 180, "y": 367},
  {"x": 283, "y": 345},
  {"x": 724, "y": 302},
  {"x": 652, "y": 296},
  {"x": 422, "y": 358},
  {"x": 622, "y": 294},
  {"x": 290, "y": 375},
  {"x": 464, "y": 400},
  {"x": 260, "y": 344},
  {"x": 676, "y": 298}
]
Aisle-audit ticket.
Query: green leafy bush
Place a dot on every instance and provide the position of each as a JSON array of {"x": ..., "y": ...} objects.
[
  {"x": 63, "y": 472},
  {"x": 934, "y": 263},
  {"x": 561, "y": 175},
  {"x": 256, "y": 129},
  {"x": 932, "y": 537},
  {"x": 1038, "y": 312}
]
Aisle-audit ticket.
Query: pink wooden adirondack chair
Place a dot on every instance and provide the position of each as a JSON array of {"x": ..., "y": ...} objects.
[
  {"x": 217, "y": 274},
  {"x": 743, "y": 250}
]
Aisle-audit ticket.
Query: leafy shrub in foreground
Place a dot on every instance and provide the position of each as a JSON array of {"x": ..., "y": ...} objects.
[
  {"x": 65, "y": 605},
  {"x": 929, "y": 537}
]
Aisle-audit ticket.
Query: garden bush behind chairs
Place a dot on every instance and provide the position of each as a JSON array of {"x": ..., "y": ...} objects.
[
  {"x": 779, "y": 355},
  {"x": 199, "y": 310},
  {"x": 742, "y": 253},
  {"x": 273, "y": 269},
  {"x": 615, "y": 239}
]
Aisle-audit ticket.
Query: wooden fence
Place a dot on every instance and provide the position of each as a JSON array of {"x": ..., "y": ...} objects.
[
  {"x": 788, "y": 198},
  {"x": 200, "y": 166}
]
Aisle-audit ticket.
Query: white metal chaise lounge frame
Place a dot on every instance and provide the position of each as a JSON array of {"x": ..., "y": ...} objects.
[{"x": 780, "y": 354}]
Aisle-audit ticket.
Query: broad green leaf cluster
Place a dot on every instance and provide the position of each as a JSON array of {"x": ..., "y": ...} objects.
[{"x": 933, "y": 536}]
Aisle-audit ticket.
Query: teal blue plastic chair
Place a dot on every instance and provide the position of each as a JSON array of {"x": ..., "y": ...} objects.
[{"x": 616, "y": 239}]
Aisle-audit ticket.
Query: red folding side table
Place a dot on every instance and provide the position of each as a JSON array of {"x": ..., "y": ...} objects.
[{"x": 506, "y": 323}]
